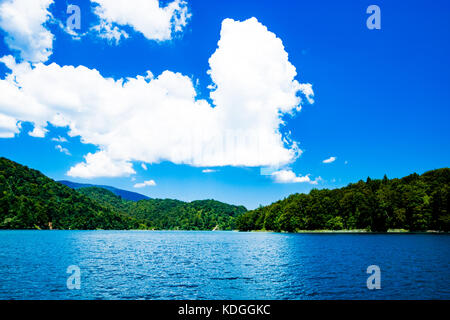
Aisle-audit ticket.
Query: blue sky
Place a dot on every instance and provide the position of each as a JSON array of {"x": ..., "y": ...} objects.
[{"x": 381, "y": 97}]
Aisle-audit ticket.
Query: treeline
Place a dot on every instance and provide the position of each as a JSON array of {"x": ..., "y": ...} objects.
[
  {"x": 415, "y": 203},
  {"x": 168, "y": 214},
  {"x": 30, "y": 200}
]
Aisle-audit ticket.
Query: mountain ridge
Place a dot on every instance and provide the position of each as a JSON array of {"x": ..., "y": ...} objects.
[
  {"x": 31, "y": 200},
  {"x": 125, "y": 194},
  {"x": 162, "y": 214}
]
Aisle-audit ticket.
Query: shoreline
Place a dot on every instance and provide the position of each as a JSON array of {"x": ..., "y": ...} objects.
[
  {"x": 358, "y": 231},
  {"x": 355, "y": 231}
]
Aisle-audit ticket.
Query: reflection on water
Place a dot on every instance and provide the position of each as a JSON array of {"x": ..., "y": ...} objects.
[{"x": 222, "y": 265}]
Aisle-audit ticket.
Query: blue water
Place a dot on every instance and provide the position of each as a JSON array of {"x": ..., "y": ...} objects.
[{"x": 222, "y": 265}]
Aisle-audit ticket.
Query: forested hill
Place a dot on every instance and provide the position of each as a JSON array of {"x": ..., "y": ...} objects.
[
  {"x": 164, "y": 214},
  {"x": 30, "y": 200},
  {"x": 415, "y": 203}
]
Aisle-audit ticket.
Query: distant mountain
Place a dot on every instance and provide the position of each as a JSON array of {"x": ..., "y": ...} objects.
[
  {"x": 127, "y": 195},
  {"x": 165, "y": 214},
  {"x": 30, "y": 200}
]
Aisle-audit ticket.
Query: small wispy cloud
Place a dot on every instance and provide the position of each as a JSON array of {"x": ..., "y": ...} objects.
[
  {"x": 144, "y": 166},
  {"x": 329, "y": 160},
  {"x": 209, "y": 170},
  {"x": 288, "y": 176},
  {"x": 63, "y": 150},
  {"x": 149, "y": 183},
  {"x": 59, "y": 139}
]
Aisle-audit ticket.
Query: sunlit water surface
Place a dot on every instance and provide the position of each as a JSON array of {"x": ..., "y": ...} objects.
[{"x": 222, "y": 265}]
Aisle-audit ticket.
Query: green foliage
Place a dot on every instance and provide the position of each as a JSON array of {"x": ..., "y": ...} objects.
[
  {"x": 30, "y": 200},
  {"x": 415, "y": 203},
  {"x": 167, "y": 214}
]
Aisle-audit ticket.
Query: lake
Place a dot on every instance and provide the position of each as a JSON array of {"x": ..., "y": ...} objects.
[{"x": 222, "y": 265}]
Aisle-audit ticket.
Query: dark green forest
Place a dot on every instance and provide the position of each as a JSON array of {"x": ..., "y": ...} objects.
[
  {"x": 30, "y": 200},
  {"x": 167, "y": 214},
  {"x": 415, "y": 203}
]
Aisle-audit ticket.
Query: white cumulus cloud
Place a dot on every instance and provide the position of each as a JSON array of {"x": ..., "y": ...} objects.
[
  {"x": 149, "y": 183},
  {"x": 23, "y": 21},
  {"x": 152, "y": 119},
  {"x": 149, "y": 17},
  {"x": 100, "y": 165},
  {"x": 288, "y": 176},
  {"x": 8, "y": 126},
  {"x": 329, "y": 160}
]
